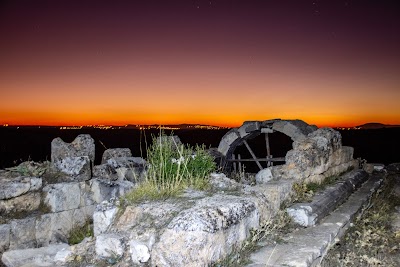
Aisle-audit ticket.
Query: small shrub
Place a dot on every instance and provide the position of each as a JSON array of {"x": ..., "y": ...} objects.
[
  {"x": 30, "y": 168},
  {"x": 78, "y": 233},
  {"x": 172, "y": 168}
]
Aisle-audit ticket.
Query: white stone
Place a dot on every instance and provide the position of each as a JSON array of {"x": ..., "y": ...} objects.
[
  {"x": 63, "y": 256},
  {"x": 103, "y": 217},
  {"x": 109, "y": 245},
  {"x": 302, "y": 215},
  {"x": 139, "y": 252},
  {"x": 105, "y": 190},
  {"x": 72, "y": 165},
  {"x": 206, "y": 232},
  {"x": 63, "y": 196},
  {"x": 264, "y": 176},
  {"x": 36, "y": 256},
  {"x": 10, "y": 189}
]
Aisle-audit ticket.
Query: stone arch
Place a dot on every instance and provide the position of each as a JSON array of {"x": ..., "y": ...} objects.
[{"x": 295, "y": 129}]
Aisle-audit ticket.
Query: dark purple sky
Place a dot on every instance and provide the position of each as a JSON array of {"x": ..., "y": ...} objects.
[{"x": 220, "y": 62}]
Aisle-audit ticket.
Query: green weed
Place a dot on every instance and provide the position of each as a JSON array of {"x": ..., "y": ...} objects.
[{"x": 172, "y": 167}]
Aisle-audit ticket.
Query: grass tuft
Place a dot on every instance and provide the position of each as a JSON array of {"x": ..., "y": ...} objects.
[{"x": 172, "y": 168}]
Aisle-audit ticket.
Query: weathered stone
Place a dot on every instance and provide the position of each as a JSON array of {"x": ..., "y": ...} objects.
[
  {"x": 4, "y": 237},
  {"x": 74, "y": 168},
  {"x": 86, "y": 194},
  {"x": 115, "y": 153},
  {"x": 307, "y": 247},
  {"x": 121, "y": 168},
  {"x": 32, "y": 257},
  {"x": 14, "y": 187},
  {"x": 56, "y": 227},
  {"x": 219, "y": 181},
  {"x": 308, "y": 214},
  {"x": 22, "y": 234},
  {"x": 206, "y": 232},
  {"x": 63, "y": 256},
  {"x": 63, "y": 196},
  {"x": 139, "y": 252},
  {"x": 104, "y": 189},
  {"x": 264, "y": 176},
  {"x": 227, "y": 140},
  {"x": 83, "y": 145},
  {"x": 103, "y": 217},
  {"x": 109, "y": 245},
  {"x": 295, "y": 129},
  {"x": 105, "y": 171},
  {"x": 27, "y": 202}
]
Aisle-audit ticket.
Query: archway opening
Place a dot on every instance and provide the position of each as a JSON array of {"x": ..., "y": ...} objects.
[{"x": 263, "y": 146}]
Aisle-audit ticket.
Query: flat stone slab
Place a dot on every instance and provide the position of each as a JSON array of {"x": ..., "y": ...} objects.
[
  {"x": 32, "y": 257},
  {"x": 308, "y": 246},
  {"x": 308, "y": 214}
]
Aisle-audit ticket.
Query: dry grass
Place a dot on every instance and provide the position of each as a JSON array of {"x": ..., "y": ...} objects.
[{"x": 371, "y": 241}]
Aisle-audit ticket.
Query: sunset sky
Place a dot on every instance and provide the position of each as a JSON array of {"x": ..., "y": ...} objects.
[{"x": 328, "y": 63}]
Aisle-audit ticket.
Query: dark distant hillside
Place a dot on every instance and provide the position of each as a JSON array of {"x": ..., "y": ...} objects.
[
  {"x": 375, "y": 145},
  {"x": 375, "y": 125}
]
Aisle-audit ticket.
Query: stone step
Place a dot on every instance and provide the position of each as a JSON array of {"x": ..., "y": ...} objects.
[
  {"x": 307, "y": 247},
  {"x": 308, "y": 214}
]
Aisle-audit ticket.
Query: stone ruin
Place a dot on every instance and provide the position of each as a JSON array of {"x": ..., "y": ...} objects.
[{"x": 196, "y": 229}]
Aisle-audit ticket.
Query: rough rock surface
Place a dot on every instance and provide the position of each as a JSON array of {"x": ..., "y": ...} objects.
[
  {"x": 295, "y": 129},
  {"x": 74, "y": 168},
  {"x": 110, "y": 245},
  {"x": 313, "y": 158},
  {"x": 83, "y": 145},
  {"x": 308, "y": 214},
  {"x": 23, "y": 203},
  {"x": 62, "y": 196},
  {"x": 121, "y": 168},
  {"x": 16, "y": 186},
  {"x": 105, "y": 189},
  {"x": 32, "y": 257},
  {"x": 115, "y": 153},
  {"x": 74, "y": 159},
  {"x": 204, "y": 233}
]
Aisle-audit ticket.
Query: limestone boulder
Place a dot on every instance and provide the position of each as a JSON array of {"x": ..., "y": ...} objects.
[
  {"x": 121, "y": 168},
  {"x": 83, "y": 145},
  {"x": 62, "y": 196},
  {"x": 74, "y": 168},
  {"x": 313, "y": 154},
  {"x": 206, "y": 232},
  {"x": 32, "y": 257},
  {"x": 74, "y": 159},
  {"x": 23, "y": 203},
  {"x": 22, "y": 233},
  {"x": 115, "y": 153},
  {"x": 104, "y": 189},
  {"x": 295, "y": 129},
  {"x": 16, "y": 186},
  {"x": 56, "y": 227},
  {"x": 104, "y": 216},
  {"x": 110, "y": 245},
  {"x": 219, "y": 181}
]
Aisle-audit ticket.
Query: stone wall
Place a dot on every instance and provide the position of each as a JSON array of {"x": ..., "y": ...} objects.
[
  {"x": 40, "y": 210},
  {"x": 316, "y": 154}
]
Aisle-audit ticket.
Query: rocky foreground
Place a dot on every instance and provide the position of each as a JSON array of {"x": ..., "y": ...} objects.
[{"x": 40, "y": 210}]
